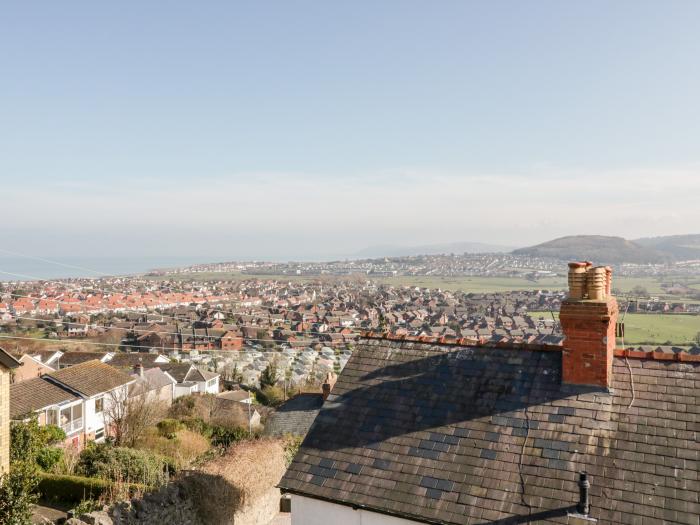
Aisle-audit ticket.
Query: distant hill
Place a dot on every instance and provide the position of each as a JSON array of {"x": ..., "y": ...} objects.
[
  {"x": 597, "y": 248},
  {"x": 680, "y": 247},
  {"x": 392, "y": 250}
]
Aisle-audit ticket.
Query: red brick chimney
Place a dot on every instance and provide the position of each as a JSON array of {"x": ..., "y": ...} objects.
[
  {"x": 328, "y": 384},
  {"x": 589, "y": 328}
]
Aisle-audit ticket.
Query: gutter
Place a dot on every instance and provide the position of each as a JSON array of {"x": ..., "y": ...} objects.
[{"x": 355, "y": 506}]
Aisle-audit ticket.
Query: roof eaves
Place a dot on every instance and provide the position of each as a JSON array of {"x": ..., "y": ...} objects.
[
  {"x": 355, "y": 506},
  {"x": 7, "y": 360}
]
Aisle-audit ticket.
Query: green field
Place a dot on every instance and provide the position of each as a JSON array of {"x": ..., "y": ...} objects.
[
  {"x": 477, "y": 284},
  {"x": 677, "y": 329}
]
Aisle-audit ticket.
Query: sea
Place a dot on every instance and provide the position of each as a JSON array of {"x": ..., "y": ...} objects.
[{"x": 25, "y": 269}]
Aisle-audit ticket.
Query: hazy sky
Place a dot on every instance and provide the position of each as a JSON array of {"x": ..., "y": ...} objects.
[{"x": 297, "y": 128}]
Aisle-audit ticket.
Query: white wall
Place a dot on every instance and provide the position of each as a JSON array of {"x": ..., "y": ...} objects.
[
  {"x": 181, "y": 390},
  {"x": 92, "y": 421},
  {"x": 120, "y": 395},
  {"x": 203, "y": 387},
  {"x": 308, "y": 511}
]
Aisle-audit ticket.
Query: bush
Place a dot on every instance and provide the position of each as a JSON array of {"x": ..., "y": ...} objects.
[
  {"x": 123, "y": 464},
  {"x": 181, "y": 448},
  {"x": 198, "y": 425},
  {"x": 272, "y": 396},
  {"x": 74, "y": 489},
  {"x": 17, "y": 493},
  {"x": 86, "y": 506},
  {"x": 28, "y": 440},
  {"x": 51, "y": 435},
  {"x": 225, "y": 436},
  {"x": 168, "y": 427},
  {"x": 291, "y": 447},
  {"x": 49, "y": 457}
]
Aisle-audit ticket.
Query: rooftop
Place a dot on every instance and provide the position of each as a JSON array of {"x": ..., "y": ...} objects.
[
  {"x": 447, "y": 433},
  {"x": 34, "y": 394},
  {"x": 295, "y": 416},
  {"x": 90, "y": 378}
]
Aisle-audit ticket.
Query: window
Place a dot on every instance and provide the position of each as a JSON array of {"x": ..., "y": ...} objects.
[
  {"x": 99, "y": 434},
  {"x": 52, "y": 417},
  {"x": 99, "y": 405},
  {"x": 71, "y": 418}
]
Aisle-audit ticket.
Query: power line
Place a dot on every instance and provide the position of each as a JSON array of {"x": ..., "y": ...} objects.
[{"x": 34, "y": 257}]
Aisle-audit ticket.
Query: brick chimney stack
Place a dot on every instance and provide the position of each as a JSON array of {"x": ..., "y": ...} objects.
[
  {"x": 328, "y": 384},
  {"x": 588, "y": 317}
]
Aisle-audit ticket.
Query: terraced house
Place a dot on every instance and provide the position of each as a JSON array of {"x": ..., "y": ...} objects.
[{"x": 420, "y": 431}]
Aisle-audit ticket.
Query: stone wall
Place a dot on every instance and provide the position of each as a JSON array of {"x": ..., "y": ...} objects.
[
  {"x": 237, "y": 487},
  {"x": 174, "y": 505}
]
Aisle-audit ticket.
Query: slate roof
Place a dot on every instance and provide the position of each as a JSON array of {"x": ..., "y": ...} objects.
[
  {"x": 461, "y": 435},
  {"x": 153, "y": 379},
  {"x": 295, "y": 416},
  {"x": 179, "y": 371},
  {"x": 34, "y": 394},
  {"x": 76, "y": 358},
  {"x": 131, "y": 359},
  {"x": 90, "y": 378}
]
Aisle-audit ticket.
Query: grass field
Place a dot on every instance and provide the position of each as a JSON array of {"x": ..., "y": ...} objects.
[
  {"x": 477, "y": 284},
  {"x": 655, "y": 328}
]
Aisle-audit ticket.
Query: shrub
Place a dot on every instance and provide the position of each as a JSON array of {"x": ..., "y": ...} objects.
[
  {"x": 168, "y": 427},
  {"x": 51, "y": 435},
  {"x": 123, "y": 464},
  {"x": 28, "y": 440},
  {"x": 17, "y": 493},
  {"x": 291, "y": 447},
  {"x": 74, "y": 489},
  {"x": 181, "y": 449},
  {"x": 225, "y": 436},
  {"x": 25, "y": 440},
  {"x": 86, "y": 506},
  {"x": 49, "y": 457},
  {"x": 272, "y": 396},
  {"x": 198, "y": 425},
  {"x": 69, "y": 461}
]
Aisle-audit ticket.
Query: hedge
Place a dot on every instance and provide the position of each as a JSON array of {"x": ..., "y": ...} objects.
[{"x": 74, "y": 489}]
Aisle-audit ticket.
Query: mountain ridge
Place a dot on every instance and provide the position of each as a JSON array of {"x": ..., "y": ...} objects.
[{"x": 605, "y": 249}]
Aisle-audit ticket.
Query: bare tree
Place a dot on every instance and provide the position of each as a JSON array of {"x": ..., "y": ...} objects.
[{"x": 128, "y": 417}]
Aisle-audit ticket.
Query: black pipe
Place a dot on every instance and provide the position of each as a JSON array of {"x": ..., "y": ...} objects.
[{"x": 584, "y": 505}]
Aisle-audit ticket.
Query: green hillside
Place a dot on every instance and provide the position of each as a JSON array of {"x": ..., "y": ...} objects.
[{"x": 598, "y": 248}]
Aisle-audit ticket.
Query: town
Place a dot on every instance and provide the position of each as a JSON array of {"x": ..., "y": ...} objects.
[
  {"x": 266, "y": 348},
  {"x": 350, "y": 263}
]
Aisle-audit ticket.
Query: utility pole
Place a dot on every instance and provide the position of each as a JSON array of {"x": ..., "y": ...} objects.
[{"x": 250, "y": 424}]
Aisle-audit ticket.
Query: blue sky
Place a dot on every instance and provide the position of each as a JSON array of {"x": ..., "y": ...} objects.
[{"x": 309, "y": 128}]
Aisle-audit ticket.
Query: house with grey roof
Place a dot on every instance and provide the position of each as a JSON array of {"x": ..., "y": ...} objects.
[
  {"x": 295, "y": 416},
  {"x": 190, "y": 379},
  {"x": 419, "y": 431},
  {"x": 77, "y": 398}
]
